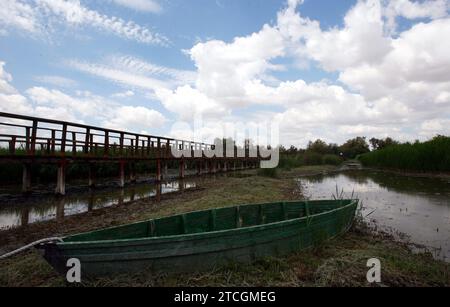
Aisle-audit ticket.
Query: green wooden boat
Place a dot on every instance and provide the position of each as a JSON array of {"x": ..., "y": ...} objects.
[{"x": 204, "y": 239}]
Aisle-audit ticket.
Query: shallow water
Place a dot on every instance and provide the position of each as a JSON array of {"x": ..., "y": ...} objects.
[
  {"x": 416, "y": 207},
  {"x": 17, "y": 210}
]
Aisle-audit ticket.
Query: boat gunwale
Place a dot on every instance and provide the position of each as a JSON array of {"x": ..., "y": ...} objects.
[{"x": 199, "y": 235}]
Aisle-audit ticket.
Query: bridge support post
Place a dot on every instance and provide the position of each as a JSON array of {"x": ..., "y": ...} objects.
[
  {"x": 214, "y": 167},
  {"x": 199, "y": 167},
  {"x": 92, "y": 171},
  {"x": 61, "y": 179},
  {"x": 182, "y": 168},
  {"x": 225, "y": 168},
  {"x": 158, "y": 192},
  {"x": 25, "y": 216},
  {"x": 158, "y": 170},
  {"x": 26, "y": 178},
  {"x": 60, "y": 210},
  {"x": 122, "y": 174},
  {"x": 165, "y": 174},
  {"x": 132, "y": 172}
]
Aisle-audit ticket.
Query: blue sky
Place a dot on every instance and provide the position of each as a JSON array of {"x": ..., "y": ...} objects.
[{"x": 318, "y": 68}]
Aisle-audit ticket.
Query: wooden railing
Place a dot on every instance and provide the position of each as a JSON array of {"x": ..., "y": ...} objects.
[{"x": 33, "y": 136}]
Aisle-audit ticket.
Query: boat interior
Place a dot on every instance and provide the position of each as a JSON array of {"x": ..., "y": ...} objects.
[{"x": 213, "y": 220}]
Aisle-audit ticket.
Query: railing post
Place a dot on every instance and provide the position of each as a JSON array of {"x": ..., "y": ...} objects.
[
  {"x": 33, "y": 137},
  {"x": 86, "y": 140},
  {"x": 121, "y": 143},
  {"x": 27, "y": 139},
  {"x": 74, "y": 143},
  {"x": 136, "y": 151},
  {"x": 106, "y": 150},
  {"x": 168, "y": 149},
  {"x": 158, "y": 145},
  {"x": 12, "y": 145},
  {"x": 63, "y": 139},
  {"x": 91, "y": 144}
]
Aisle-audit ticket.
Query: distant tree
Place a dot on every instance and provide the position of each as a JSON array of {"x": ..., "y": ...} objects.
[
  {"x": 333, "y": 149},
  {"x": 292, "y": 150},
  {"x": 318, "y": 146},
  {"x": 380, "y": 143},
  {"x": 354, "y": 147}
]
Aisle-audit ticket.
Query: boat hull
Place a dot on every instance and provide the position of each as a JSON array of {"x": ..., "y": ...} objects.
[{"x": 205, "y": 250}]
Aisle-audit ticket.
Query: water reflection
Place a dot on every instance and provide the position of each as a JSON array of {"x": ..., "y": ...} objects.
[
  {"x": 49, "y": 207},
  {"x": 417, "y": 207}
]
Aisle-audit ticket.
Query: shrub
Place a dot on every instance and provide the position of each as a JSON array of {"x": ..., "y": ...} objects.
[
  {"x": 331, "y": 160},
  {"x": 433, "y": 155},
  {"x": 312, "y": 158}
]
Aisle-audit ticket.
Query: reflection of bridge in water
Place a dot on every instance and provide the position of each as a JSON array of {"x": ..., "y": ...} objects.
[
  {"x": 31, "y": 140},
  {"x": 51, "y": 207}
]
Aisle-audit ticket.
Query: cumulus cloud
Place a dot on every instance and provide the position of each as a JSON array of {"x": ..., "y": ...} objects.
[
  {"x": 38, "y": 17},
  {"x": 133, "y": 118},
  {"x": 433, "y": 9},
  {"x": 188, "y": 103}
]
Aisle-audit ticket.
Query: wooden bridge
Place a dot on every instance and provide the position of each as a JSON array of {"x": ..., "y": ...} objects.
[{"x": 32, "y": 140}]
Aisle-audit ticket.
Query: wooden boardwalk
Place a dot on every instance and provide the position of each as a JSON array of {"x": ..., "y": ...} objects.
[{"x": 32, "y": 140}]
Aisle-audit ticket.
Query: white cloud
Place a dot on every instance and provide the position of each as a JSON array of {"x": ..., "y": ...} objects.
[
  {"x": 122, "y": 77},
  {"x": 40, "y": 16},
  {"x": 56, "y": 81},
  {"x": 20, "y": 15},
  {"x": 151, "y": 6},
  {"x": 82, "y": 107},
  {"x": 361, "y": 40},
  {"x": 224, "y": 69},
  {"x": 135, "y": 73},
  {"x": 433, "y": 9},
  {"x": 188, "y": 103},
  {"x": 125, "y": 94},
  {"x": 131, "y": 118},
  {"x": 145, "y": 68}
]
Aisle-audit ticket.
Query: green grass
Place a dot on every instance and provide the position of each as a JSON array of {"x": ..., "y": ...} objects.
[{"x": 431, "y": 156}]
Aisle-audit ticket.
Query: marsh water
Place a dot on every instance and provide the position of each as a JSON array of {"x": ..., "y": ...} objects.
[
  {"x": 411, "y": 208},
  {"x": 17, "y": 210}
]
